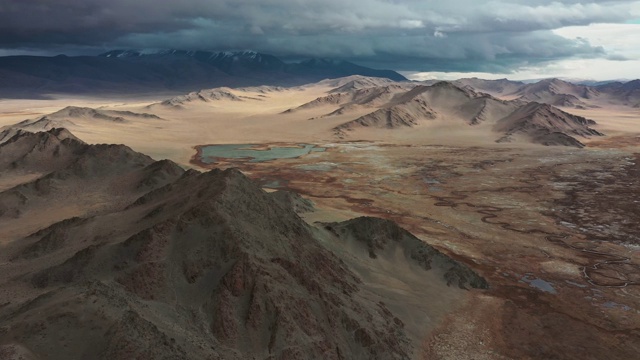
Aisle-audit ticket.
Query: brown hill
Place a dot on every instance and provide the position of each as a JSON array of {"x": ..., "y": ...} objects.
[
  {"x": 217, "y": 94},
  {"x": 206, "y": 96},
  {"x": 358, "y": 83},
  {"x": 534, "y": 122},
  {"x": 561, "y": 93},
  {"x": 443, "y": 101},
  {"x": 546, "y": 125},
  {"x": 493, "y": 87},
  {"x": 43, "y": 123},
  {"x": 43, "y": 151},
  {"x": 333, "y": 99},
  {"x": 359, "y": 80},
  {"x": 70, "y": 115},
  {"x": 355, "y": 98},
  {"x": 558, "y": 93},
  {"x": 627, "y": 94},
  {"x": 263, "y": 89},
  {"x": 101, "y": 114},
  {"x": 462, "y": 104},
  {"x": 62, "y": 177},
  {"x": 158, "y": 263},
  {"x": 396, "y": 116}
]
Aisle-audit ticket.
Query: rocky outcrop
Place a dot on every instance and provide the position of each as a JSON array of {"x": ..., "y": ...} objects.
[{"x": 206, "y": 96}]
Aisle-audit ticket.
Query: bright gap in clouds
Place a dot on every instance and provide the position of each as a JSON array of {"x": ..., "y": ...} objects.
[{"x": 621, "y": 42}]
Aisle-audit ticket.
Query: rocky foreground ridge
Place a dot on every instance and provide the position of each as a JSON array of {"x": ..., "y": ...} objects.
[{"x": 108, "y": 254}]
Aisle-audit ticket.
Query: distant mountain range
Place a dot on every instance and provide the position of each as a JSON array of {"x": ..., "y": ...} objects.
[
  {"x": 559, "y": 92},
  {"x": 391, "y": 105},
  {"x": 133, "y": 71}
]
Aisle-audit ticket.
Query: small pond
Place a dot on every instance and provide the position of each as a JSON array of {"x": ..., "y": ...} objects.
[{"x": 538, "y": 283}]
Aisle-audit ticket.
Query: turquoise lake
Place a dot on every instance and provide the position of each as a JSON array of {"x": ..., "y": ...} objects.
[{"x": 210, "y": 153}]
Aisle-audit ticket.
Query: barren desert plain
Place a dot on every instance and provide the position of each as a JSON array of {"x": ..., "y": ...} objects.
[{"x": 549, "y": 221}]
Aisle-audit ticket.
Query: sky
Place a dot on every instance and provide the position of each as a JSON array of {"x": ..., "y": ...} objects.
[{"x": 517, "y": 39}]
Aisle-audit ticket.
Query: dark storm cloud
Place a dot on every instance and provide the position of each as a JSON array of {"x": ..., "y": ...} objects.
[{"x": 405, "y": 35}]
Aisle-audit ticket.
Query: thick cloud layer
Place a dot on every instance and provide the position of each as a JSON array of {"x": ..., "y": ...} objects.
[{"x": 418, "y": 35}]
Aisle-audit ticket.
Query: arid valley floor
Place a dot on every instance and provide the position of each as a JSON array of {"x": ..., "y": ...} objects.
[{"x": 553, "y": 229}]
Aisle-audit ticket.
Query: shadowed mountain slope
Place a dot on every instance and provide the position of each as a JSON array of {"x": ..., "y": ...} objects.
[
  {"x": 624, "y": 93},
  {"x": 384, "y": 238}
]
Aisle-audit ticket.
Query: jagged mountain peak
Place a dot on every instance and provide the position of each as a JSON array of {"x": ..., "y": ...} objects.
[
  {"x": 48, "y": 150},
  {"x": 63, "y": 134}
]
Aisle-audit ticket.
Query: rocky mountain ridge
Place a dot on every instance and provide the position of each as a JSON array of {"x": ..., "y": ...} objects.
[
  {"x": 180, "y": 264},
  {"x": 406, "y": 105}
]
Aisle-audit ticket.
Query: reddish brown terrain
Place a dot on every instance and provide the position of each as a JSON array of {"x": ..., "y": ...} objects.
[{"x": 553, "y": 231}]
